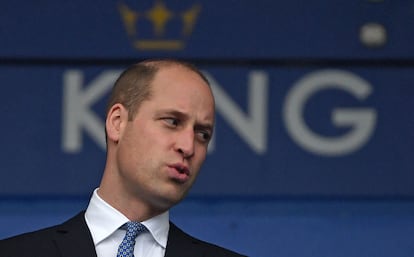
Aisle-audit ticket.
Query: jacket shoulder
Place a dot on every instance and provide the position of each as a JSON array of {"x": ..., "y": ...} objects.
[
  {"x": 51, "y": 241},
  {"x": 36, "y": 243},
  {"x": 179, "y": 243}
]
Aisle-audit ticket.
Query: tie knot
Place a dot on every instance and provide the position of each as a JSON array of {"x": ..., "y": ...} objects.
[
  {"x": 126, "y": 248},
  {"x": 134, "y": 228}
]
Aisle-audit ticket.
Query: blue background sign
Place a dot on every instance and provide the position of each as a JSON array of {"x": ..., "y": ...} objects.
[
  {"x": 214, "y": 29},
  {"x": 258, "y": 145}
]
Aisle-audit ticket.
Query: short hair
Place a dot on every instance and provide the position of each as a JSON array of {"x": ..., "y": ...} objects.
[{"x": 134, "y": 84}]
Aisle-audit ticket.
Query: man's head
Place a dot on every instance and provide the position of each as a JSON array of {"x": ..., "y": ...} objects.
[{"x": 159, "y": 123}]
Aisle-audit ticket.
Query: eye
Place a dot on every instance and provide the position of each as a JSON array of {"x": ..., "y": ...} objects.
[
  {"x": 204, "y": 136},
  {"x": 172, "y": 122}
]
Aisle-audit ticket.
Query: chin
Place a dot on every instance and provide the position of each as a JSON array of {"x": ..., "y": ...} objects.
[
  {"x": 170, "y": 195},
  {"x": 168, "y": 200}
]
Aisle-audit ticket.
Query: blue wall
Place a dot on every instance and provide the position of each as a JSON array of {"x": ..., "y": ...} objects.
[{"x": 312, "y": 153}]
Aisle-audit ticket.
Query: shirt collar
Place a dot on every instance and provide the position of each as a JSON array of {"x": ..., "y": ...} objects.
[{"x": 103, "y": 220}]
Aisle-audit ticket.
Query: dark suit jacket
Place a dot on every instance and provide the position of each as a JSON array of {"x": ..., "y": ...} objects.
[{"x": 73, "y": 239}]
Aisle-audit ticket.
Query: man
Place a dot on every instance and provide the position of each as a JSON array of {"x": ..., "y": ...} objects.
[{"x": 160, "y": 119}]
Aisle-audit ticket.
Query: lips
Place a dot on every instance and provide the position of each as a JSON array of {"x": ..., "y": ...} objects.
[{"x": 179, "y": 172}]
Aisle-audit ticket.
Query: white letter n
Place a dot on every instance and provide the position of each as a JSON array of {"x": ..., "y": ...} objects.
[{"x": 252, "y": 127}]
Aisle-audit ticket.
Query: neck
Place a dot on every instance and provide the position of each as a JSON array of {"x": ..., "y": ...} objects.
[
  {"x": 133, "y": 209},
  {"x": 129, "y": 204}
]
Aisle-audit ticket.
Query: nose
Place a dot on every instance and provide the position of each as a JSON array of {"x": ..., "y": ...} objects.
[{"x": 185, "y": 143}]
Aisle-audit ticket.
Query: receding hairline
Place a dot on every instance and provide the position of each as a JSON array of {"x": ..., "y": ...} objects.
[
  {"x": 159, "y": 64},
  {"x": 152, "y": 68}
]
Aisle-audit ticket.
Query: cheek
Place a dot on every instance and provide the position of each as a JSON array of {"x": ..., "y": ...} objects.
[
  {"x": 201, "y": 156},
  {"x": 137, "y": 140},
  {"x": 132, "y": 151},
  {"x": 142, "y": 149}
]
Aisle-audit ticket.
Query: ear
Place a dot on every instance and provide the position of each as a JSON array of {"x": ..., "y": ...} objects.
[{"x": 116, "y": 121}]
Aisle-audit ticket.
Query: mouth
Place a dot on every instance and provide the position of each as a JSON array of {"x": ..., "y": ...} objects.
[
  {"x": 179, "y": 172},
  {"x": 182, "y": 169}
]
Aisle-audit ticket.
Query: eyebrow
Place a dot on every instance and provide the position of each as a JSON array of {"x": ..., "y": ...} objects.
[
  {"x": 184, "y": 116},
  {"x": 204, "y": 127}
]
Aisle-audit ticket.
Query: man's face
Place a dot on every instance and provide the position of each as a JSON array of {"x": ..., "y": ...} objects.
[{"x": 161, "y": 150}]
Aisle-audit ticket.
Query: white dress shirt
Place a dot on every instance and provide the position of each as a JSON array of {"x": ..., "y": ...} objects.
[{"x": 104, "y": 222}]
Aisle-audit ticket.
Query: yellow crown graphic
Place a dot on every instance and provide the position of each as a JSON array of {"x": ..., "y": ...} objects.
[{"x": 160, "y": 36}]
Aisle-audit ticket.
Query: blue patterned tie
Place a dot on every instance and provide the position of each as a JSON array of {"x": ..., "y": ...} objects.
[{"x": 126, "y": 248}]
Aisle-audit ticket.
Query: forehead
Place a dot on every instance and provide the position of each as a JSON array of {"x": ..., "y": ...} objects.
[{"x": 182, "y": 88}]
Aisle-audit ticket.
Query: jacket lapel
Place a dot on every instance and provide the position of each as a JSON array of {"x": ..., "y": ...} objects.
[
  {"x": 181, "y": 244},
  {"x": 73, "y": 238}
]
